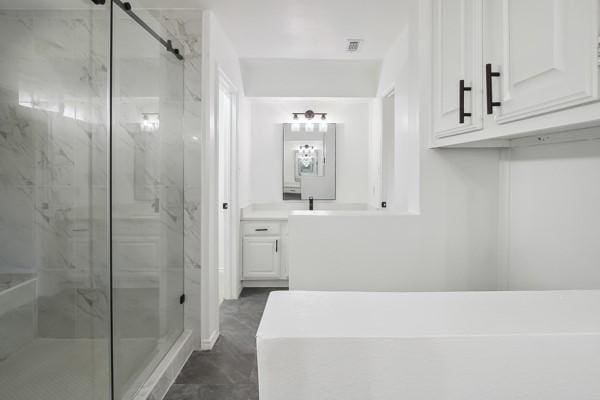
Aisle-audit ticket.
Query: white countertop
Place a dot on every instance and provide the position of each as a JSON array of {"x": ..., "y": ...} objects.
[
  {"x": 282, "y": 211},
  {"x": 266, "y": 215}
]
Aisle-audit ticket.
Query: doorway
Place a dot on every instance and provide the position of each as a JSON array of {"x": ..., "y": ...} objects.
[{"x": 227, "y": 110}]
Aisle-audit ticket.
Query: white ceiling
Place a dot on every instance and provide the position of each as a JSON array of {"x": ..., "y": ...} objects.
[{"x": 310, "y": 29}]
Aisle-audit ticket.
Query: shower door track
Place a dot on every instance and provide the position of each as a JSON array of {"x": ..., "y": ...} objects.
[{"x": 126, "y": 6}]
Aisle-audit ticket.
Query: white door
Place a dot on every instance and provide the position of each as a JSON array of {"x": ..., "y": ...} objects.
[
  {"x": 226, "y": 124},
  {"x": 261, "y": 255},
  {"x": 457, "y": 55},
  {"x": 546, "y": 53}
]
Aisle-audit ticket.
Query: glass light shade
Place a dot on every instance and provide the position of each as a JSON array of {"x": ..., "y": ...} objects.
[
  {"x": 150, "y": 123},
  {"x": 295, "y": 126},
  {"x": 323, "y": 126},
  {"x": 309, "y": 127}
]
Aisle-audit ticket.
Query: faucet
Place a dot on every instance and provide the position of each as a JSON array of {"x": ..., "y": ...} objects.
[{"x": 311, "y": 205}]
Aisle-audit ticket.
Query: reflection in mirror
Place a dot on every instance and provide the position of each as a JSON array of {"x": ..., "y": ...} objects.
[{"x": 308, "y": 163}]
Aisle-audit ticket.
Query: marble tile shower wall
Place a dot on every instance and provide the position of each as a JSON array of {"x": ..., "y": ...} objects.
[
  {"x": 53, "y": 166},
  {"x": 186, "y": 26}
]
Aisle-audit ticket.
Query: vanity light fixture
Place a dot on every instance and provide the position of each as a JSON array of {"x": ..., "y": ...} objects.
[
  {"x": 306, "y": 154},
  {"x": 150, "y": 122},
  {"x": 309, "y": 126}
]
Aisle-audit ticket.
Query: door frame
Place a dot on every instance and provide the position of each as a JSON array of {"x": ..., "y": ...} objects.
[{"x": 231, "y": 271}]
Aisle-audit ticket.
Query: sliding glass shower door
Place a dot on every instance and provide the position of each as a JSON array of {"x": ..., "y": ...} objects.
[
  {"x": 54, "y": 134},
  {"x": 147, "y": 196},
  {"x": 91, "y": 207}
]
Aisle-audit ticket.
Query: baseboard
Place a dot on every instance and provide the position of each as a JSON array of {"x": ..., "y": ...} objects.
[
  {"x": 159, "y": 382},
  {"x": 208, "y": 344},
  {"x": 273, "y": 283}
]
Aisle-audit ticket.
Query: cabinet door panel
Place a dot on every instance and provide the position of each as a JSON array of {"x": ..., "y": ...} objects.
[
  {"x": 261, "y": 258},
  {"x": 457, "y": 47},
  {"x": 547, "y": 56}
]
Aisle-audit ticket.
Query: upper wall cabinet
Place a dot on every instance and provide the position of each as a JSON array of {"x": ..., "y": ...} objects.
[
  {"x": 457, "y": 44},
  {"x": 512, "y": 68},
  {"x": 546, "y": 55}
]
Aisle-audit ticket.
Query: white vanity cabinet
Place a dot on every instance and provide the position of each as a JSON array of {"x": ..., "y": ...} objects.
[
  {"x": 263, "y": 257},
  {"x": 457, "y": 75},
  {"x": 546, "y": 53},
  {"x": 531, "y": 66}
]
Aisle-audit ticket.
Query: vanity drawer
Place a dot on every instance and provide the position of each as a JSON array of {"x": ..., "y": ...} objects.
[{"x": 261, "y": 228}]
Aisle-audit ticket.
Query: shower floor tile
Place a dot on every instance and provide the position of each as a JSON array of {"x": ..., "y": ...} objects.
[{"x": 57, "y": 369}]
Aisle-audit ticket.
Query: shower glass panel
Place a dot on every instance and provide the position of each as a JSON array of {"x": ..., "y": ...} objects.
[
  {"x": 54, "y": 271},
  {"x": 147, "y": 198}
]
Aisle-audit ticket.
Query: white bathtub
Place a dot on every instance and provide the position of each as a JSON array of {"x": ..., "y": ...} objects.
[{"x": 434, "y": 346}]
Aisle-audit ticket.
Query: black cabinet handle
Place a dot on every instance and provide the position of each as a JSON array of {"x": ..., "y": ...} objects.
[
  {"x": 461, "y": 101},
  {"x": 261, "y": 229},
  {"x": 489, "y": 74},
  {"x": 276, "y": 246}
]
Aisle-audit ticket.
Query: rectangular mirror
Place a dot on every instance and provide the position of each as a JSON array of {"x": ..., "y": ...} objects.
[{"x": 308, "y": 162}]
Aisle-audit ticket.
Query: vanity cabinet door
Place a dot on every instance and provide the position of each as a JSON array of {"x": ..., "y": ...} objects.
[
  {"x": 546, "y": 53},
  {"x": 262, "y": 257},
  {"x": 457, "y": 56}
]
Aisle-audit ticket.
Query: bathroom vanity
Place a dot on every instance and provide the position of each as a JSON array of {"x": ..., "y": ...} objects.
[{"x": 264, "y": 247}]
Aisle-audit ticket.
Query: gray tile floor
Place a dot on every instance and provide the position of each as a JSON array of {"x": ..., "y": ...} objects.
[{"x": 228, "y": 372}]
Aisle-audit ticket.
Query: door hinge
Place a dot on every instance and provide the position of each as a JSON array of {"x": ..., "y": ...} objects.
[{"x": 182, "y": 299}]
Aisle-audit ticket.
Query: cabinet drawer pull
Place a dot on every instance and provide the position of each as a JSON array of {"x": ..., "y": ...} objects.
[
  {"x": 461, "y": 100},
  {"x": 276, "y": 246},
  {"x": 261, "y": 229},
  {"x": 489, "y": 74}
]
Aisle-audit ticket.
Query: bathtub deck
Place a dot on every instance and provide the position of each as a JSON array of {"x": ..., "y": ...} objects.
[{"x": 462, "y": 345}]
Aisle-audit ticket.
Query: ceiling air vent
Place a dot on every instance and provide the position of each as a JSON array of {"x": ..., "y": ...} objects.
[{"x": 353, "y": 45}]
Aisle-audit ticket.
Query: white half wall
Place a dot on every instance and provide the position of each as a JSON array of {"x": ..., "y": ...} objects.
[
  {"x": 554, "y": 217},
  {"x": 352, "y": 117}
]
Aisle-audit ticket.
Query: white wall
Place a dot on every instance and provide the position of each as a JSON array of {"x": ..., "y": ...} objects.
[
  {"x": 554, "y": 217},
  {"x": 310, "y": 78},
  {"x": 451, "y": 242},
  {"x": 218, "y": 54},
  {"x": 353, "y": 124}
]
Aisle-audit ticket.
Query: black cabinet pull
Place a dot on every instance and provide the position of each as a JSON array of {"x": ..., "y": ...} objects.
[
  {"x": 261, "y": 229},
  {"x": 489, "y": 74},
  {"x": 461, "y": 101},
  {"x": 276, "y": 246}
]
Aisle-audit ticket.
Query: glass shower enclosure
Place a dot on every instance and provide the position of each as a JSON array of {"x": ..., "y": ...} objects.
[{"x": 91, "y": 198}]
